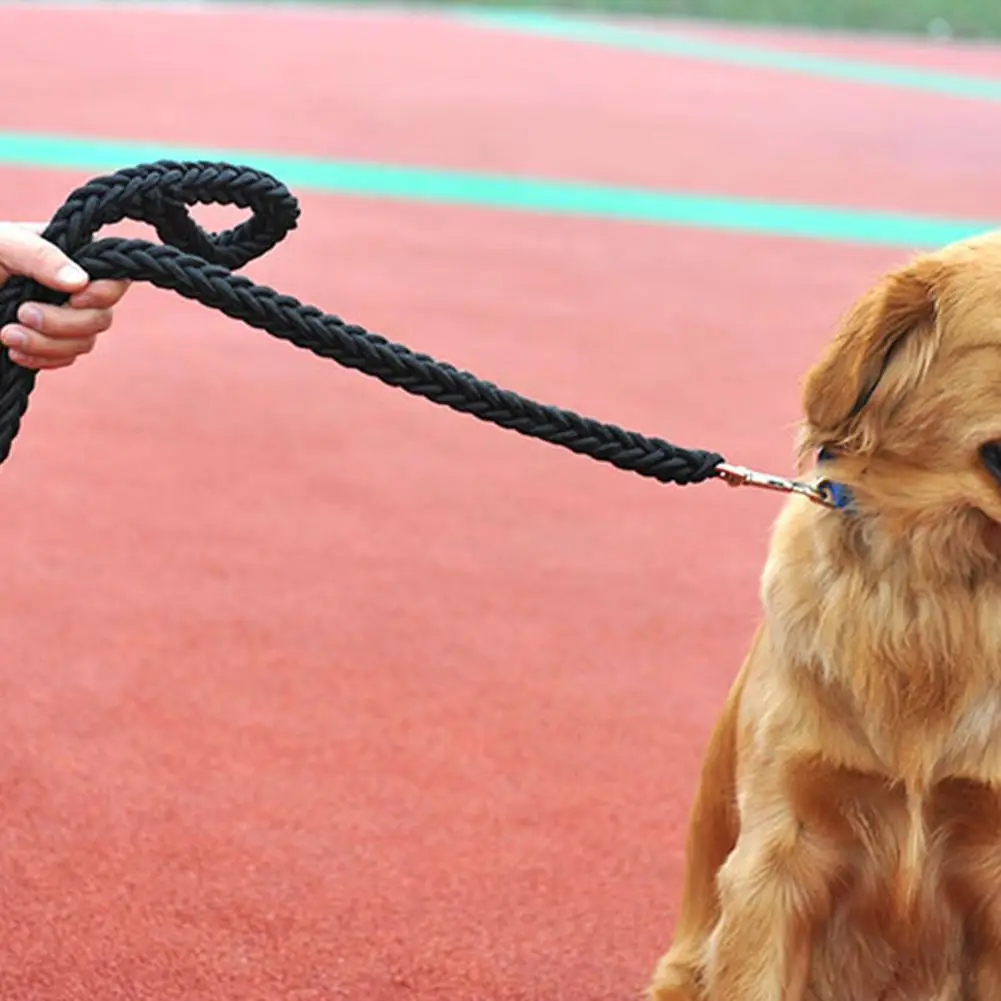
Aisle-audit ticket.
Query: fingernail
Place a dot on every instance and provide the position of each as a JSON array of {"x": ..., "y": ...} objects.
[
  {"x": 72, "y": 274},
  {"x": 30, "y": 315},
  {"x": 14, "y": 337}
]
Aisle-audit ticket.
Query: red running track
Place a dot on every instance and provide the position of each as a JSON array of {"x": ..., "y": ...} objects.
[{"x": 312, "y": 690}]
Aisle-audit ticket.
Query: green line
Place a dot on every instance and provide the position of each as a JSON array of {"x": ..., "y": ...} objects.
[
  {"x": 442, "y": 187},
  {"x": 580, "y": 29}
]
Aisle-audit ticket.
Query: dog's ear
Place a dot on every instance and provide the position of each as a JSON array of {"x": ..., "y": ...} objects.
[{"x": 899, "y": 311}]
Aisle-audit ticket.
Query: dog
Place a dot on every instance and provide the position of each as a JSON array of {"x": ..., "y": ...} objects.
[{"x": 845, "y": 839}]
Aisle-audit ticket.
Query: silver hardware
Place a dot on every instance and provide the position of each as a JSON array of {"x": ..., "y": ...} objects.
[{"x": 739, "y": 476}]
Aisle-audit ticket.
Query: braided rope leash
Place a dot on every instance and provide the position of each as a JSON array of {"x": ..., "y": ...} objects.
[{"x": 200, "y": 265}]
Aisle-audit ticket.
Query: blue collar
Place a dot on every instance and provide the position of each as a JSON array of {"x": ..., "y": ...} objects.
[{"x": 839, "y": 493}]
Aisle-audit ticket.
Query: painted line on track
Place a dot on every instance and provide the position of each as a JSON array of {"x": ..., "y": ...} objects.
[
  {"x": 509, "y": 193},
  {"x": 580, "y": 29}
]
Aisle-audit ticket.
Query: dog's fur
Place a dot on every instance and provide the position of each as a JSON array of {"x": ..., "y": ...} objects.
[{"x": 845, "y": 842}]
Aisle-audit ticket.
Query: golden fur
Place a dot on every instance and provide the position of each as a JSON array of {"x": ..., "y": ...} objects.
[{"x": 845, "y": 841}]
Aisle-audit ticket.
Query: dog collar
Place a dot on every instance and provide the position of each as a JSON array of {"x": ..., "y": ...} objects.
[{"x": 841, "y": 496}]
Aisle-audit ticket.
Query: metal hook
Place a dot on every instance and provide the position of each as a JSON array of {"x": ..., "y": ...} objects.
[{"x": 739, "y": 476}]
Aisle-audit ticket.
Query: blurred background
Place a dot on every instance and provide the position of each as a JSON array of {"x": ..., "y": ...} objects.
[{"x": 938, "y": 18}]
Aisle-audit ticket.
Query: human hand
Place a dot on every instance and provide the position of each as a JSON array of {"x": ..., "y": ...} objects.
[{"x": 47, "y": 336}]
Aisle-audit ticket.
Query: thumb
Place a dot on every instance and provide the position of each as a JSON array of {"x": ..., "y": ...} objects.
[{"x": 24, "y": 252}]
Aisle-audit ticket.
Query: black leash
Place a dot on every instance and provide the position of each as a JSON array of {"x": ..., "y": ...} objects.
[{"x": 200, "y": 265}]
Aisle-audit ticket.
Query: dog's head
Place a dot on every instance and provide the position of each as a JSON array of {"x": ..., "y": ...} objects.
[{"x": 907, "y": 398}]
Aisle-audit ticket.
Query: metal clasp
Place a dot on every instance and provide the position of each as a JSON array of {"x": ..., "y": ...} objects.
[{"x": 739, "y": 476}]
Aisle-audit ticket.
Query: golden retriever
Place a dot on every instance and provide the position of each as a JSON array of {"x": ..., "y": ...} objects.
[{"x": 845, "y": 841}]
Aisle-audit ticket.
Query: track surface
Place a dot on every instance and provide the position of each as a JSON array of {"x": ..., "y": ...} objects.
[{"x": 312, "y": 690}]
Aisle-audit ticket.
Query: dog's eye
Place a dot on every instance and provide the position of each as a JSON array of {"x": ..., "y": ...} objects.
[{"x": 990, "y": 454}]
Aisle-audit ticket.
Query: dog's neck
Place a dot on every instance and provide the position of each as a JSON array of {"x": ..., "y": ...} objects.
[
  {"x": 946, "y": 551},
  {"x": 904, "y": 613},
  {"x": 892, "y": 515}
]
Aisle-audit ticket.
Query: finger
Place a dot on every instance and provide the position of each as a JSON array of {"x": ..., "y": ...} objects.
[
  {"x": 64, "y": 321},
  {"x": 30, "y": 361},
  {"x": 24, "y": 252},
  {"x": 100, "y": 294},
  {"x": 30, "y": 342}
]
